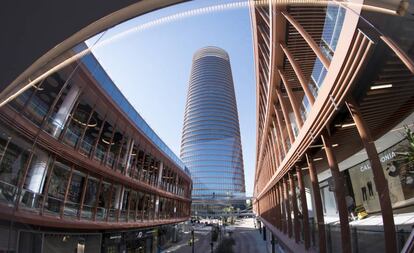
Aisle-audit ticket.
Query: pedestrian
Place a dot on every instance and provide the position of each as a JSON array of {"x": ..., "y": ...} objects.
[{"x": 350, "y": 203}]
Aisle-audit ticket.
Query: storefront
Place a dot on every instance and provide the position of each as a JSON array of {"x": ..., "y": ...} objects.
[
  {"x": 30, "y": 241},
  {"x": 137, "y": 241},
  {"x": 399, "y": 172},
  {"x": 328, "y": 195}
]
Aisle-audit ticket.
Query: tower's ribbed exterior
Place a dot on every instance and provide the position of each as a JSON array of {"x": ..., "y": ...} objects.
[{"x": 211, "y": 146}]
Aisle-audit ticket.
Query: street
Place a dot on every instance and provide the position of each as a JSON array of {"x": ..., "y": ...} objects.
[{"x": 247, "y": 239}]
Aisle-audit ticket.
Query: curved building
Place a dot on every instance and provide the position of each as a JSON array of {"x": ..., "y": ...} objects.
[
  {"x": 210, "y": 146},
  {"x": 80, "y": 168},
  {"x": 335, "y": 106}
]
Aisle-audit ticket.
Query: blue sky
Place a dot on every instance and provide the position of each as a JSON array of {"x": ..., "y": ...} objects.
[{"x": 152, "y": 68}]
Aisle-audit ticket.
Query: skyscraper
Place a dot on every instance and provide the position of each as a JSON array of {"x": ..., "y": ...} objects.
[{"x": 210, "y": 145}]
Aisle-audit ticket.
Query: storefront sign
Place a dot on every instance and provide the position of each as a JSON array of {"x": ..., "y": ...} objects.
[
  {"x": 384, "y": 157},
  {"x": 398, "y": 171}
]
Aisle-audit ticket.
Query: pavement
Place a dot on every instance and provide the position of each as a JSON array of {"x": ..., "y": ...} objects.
[
  {"x": 247, "y": 238},
  {"x": 400, "y": 220}
]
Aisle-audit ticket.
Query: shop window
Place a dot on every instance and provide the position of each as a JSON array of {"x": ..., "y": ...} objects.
[
  {"x": 141, "y": 205},
  {"x": 80, "y": 120},
  {"x": 57, "y": 187},
  {"x": 44, "y": 96},
  {"x": 14, "y": 155},
  {"x": 116, "y": 200},
  {"x": 133, "y": 205},
  {"x": 398, "y": 169},
  {"x": 114, "y": 148},
  {"x": 140, "y": 165},
  {"x": 90, "y": 200},
  {"x": 72, "y": 204},
  {"x": 91, "y": 135},
  {"x": 103, "y": 201},
  {"x": 104, "y": 142},
  {"x": 145, "y": 169}
]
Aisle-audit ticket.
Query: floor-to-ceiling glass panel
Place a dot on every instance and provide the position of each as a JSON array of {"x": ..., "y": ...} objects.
[
  {"x": 73, "y": 201},
  {"x": 57, "y": 187},
  {"x": 14, "y": 155},
  {"x": 90, "y": 200},
  {"x": 103, "y": 201}
]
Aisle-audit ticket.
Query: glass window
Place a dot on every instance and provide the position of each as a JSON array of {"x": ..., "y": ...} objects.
[
  {"x": 43, "y": 98},
  {"x": 92, "y": 133},
  {"x": 140, "y": 205},
  {"x": 20, "y": 102},
  {"x": 14, "y": 154},
  {"x": 80, "y": 119},
  {"x": 105, "y": 140},
  {"x": 72, "y": 205},
  {"x": 103, "y": 201},
  {"x": 57, "y": 187},
  {"x": 116, "y": 201},
  {"x": 90, "y": 202},
  {"x": 115, "y": 148},
  {"x": 133, "y": 205}
]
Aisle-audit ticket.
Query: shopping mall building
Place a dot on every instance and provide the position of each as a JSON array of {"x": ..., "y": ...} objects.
[
  {"x": 81, "y": 170},
  {"x": 335, "y": 114}
]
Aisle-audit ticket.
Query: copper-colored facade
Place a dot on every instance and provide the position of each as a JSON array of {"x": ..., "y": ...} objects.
[
  {"x": 334, "y": 80},
  {"x": 75, "y": 155}
]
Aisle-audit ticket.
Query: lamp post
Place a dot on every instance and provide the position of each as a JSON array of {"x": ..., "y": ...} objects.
[{"x": 192, "y": 238}]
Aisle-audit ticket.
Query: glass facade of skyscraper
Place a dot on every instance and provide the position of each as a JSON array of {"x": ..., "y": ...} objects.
[{"x": 211, "y": 146}]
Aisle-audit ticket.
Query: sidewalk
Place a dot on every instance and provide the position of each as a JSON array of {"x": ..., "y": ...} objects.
[{"x": 400, "y": 220}]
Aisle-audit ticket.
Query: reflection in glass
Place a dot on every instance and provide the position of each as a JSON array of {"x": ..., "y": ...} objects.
[
  {"x": 14, "y": 154},
  {"x": 57, "y": 187},
  {"x": 90, "y": 202}
]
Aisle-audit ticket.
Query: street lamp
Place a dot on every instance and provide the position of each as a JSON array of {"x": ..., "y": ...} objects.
[{"x": 192, "y": 238}]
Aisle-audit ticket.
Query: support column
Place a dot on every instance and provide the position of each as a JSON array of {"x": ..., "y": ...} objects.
[
  {"x": 273, "y": 244},
  {"x": 282, "y": 208},
  {"x": 119, "y": 195},
  {"x": 295, "y": 207},
  {"x": 264, "y": 233},
  {"x": 318, "y": 204},
  {"x": 277, "y": 208},
  {"x": 339, "y": 194},
  {"x": 65, "y": 108},
  {"x": 128, "y": 155},
  {"x": 160, "y": 170},
  {"x": 305, "y": 214},
  {"x": 287, "y": 204},
  {"x": 380, "y": 181},
  {"x": 37, "y": 173}
]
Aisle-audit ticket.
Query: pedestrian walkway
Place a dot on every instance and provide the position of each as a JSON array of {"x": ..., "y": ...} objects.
[
  {"x": 402, "y": 219},
  {"x": 247, "y": 239}
]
